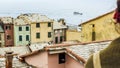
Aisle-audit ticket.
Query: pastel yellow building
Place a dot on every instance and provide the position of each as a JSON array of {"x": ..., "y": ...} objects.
[
  {"x": 41, "y": 27},
  {"x": 99, "y": 28},
  {"x": 73, "y": 35},
  {"x": 41, "y": 32}
]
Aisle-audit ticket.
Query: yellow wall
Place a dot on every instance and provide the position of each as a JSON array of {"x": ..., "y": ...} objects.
[
  {"x": 44, "y": 29},
  {"x": 104, "y": 29},
  {"x": 73, "y": 35}
]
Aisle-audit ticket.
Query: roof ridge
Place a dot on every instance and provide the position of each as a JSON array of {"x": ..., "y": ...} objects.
[
  {"x": 97, "y": 17},
  {"x": 75, "y": 55},
  {"x": 65, "y": 45}
]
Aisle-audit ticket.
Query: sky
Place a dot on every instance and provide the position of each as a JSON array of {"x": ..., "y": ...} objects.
[{"x": 56, "y": 9}]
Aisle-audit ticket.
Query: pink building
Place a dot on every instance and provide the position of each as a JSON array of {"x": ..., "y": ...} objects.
[
  {"x": 47, "y": 58},
  {"x": 62, "y": 55},
  {"x": 59, "y": 30}
]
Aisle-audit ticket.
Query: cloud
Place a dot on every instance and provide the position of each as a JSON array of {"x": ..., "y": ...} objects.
[{"x": 59, "y": 8}]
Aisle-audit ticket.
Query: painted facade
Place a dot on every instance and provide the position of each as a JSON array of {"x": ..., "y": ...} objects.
[
  {"x": 41, "y": 27},
  {"x": 59, "y": 32},
  {"x": 52, "y": 61},
  {"x": 99, "y": 28},
  {"x": 42, "y": 32},
  {"x": 32, "y": 28},
  {"x": 21, "y": 32},
  {"x": 73, "y": 35},
  {"x": 2, "y": 41},
  {"x": 59, "y": 36},
  {"x": 9, "y": 31}
]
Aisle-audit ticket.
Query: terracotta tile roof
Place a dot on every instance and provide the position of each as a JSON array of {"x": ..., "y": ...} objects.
[
  {"x": 38, "y": 46},
  {"x": 80, "y": 59},
  {"x": 79, "y": 51},
  {"x": 29, "y": 54},
  {"x": 82, "y": 49},
  {"x": 66, "y": 45},
  {"x": 76, "y": 56},
  {"x": 71, "y": 42},
  {"x": 87, "y": 49}
]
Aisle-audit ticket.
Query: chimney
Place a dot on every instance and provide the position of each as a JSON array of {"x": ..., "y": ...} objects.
[
  {"x": 62, "y": 21},
  {"x": 9, "y": 58}
]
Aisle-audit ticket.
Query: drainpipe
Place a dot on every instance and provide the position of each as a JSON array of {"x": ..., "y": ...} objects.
[
  {"x": 13, "y": 31},
  {"x": 9, "y": 58}
]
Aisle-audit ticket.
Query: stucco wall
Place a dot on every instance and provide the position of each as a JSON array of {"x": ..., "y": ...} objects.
[
  {"x": 45, "y": 60},
  {"x": 9, "y": 32},
  {"x": 58, "y": 33},
  {"x": 73, "y": 35},
  {"x": 39, "y": 60},
  {"x": 43, "y": 29},
  {"x": 103, "y": 27},
  {"x": 2, "y": 41},
  {"x": 53, "y": 62},
  {"x": 23, "y": 33},
  {"x": 71, "y": 63}
]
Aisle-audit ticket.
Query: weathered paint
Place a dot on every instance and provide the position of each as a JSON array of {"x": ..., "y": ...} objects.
[
  {"x": 53, "y": 61},
  {"x": 2, "y": 41},
  {"x": 23, "y": 33},
  {"x": 72, "y": 63},
  {"x": 39, "y": 60},
  {"x": 9, "y": 32},
  {"x": 59, "y": 33},
  {"x": 43, "y": 30},
  {"x": 73, "y": 35},
  {"x": 45, "y": 60},
  {"x": 103, "y": 27}
]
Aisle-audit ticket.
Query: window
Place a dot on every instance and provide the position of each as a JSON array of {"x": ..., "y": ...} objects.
[
  {"x": 20, "y": 38},
  {"x": 0, "y": 37},
  {"x": 27, "y": 37},
  {"x": 56, "y": 39},
  {"x": 49, "y": 24},
  {"x": 20, "y": 28},
  {"x": 0, "y": 44},
  {"x": 8, "y": 37},
  {"x": 37, "y": 35},
  {"x": 61, "y": 38},
  {"x": 37, "y": 25},
  {"x": 93, "y": 25},
  {"x": 61, "y": 31},
  {"x": 49, "y": 34},
  {"x": 56, "y": 31},
  {"x": 93, "y": 32},
  {"x": 8, "y": 27},
  {"x": 93, "y": 36},
  {"x": 61, "y": 58},
  {"x": 27, "y": 28}
]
